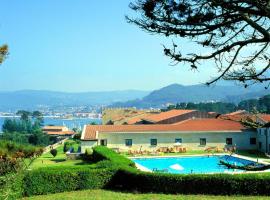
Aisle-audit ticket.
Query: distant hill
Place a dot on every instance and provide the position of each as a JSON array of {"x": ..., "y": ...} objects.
[
  {"x": 176, "y": 93},
  {"x": 30, "y": 99}
]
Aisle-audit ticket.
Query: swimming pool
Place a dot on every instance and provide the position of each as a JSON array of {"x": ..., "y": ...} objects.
[{"x": 187, "y": 165}]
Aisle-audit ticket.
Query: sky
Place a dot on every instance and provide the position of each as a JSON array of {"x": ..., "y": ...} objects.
[{"x": 84, "y": 45}]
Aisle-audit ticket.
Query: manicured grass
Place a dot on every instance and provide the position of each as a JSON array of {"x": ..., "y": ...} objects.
[
  {"x": 47, "y": 160},
  {"x": 105, "y": 194}
]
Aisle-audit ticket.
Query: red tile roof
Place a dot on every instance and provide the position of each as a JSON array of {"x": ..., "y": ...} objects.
[
  {"x": 238, "y": 112},
  {"x": 265, "y": 117},
  {"x": 196, "y": 125},
  {"x": 237, "y": 118},
  {"x": 60, "y": 132},
  {"x": 139, "y": 118},
  {"x": 52, "y": 127},
  {"x": 166, "y": 115}
]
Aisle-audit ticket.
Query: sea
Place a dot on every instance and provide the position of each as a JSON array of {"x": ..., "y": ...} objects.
[{"x": 70, "y": 123}]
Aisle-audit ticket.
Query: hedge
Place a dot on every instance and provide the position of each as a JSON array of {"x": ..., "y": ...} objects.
[
  {"x": 103, "y": 153},
  {"x": 115, "y": 171},
  {"x": 130, "y": 179},
  {"x": 49, "y": 180},
  {"x": 216, "y": 184}
]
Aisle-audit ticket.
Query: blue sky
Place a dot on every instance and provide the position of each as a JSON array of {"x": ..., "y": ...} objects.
[{"x": 84, "y": 45}]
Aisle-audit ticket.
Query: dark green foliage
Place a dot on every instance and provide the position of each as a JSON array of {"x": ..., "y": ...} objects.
[
  {"x": 26, "y": 130},
  {"x": 87, "y": 156},
  {"x": 114, "y": 171},
  {"x": 12, "y": 156},
  {"x": 49, "y": 180},
  {"x": 66, "y": 146},
  {"x": 218, "y": 184},
  {"x": 11, "y": 186},
  {"x": 77, "y": 136},
  {"x": 129, "y": 178},
  {"x": 104, "y": 153},
  {"x": 261, "y": 105},
  {"x": 53, "y": 152},
  {"x": 24, "y": 114},
  {"x": 218, "y": 107},
  {"x": 14, "y": 125},
  {"x": 69, "y": 146},
  {"x": 11, "y": 149}
]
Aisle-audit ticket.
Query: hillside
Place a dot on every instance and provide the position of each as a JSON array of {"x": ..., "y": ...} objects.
[
  {"x": 30, "y": 99},
  {"x": 194, "y": 93}
]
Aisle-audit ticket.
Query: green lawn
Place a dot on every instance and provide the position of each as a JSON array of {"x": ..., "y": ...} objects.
[
  {"x": 47, "y": 160},
  {"x": 105, "y": 194}
]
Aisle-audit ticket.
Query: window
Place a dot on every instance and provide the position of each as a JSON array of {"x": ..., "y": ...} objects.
[
  {"x": 252, "y": 141},
  {"x": 153, "y": 142},
  {"x": 178, "y": 140},
  {"x": 260, "y": 145},
  {"x": 229, "y": 141},
  {"x": 103, "y": 142},
  {"x": 128, "y": 142},
  {"x": 202, "y": 141}
]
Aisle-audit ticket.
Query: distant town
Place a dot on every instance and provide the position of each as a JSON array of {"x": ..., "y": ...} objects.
[{"x": 62, "y": 112}]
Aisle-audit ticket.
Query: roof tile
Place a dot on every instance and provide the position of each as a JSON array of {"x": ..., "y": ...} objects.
[
  {"x": 166, "y": 115},
  {"x": 188, "y": 125}
]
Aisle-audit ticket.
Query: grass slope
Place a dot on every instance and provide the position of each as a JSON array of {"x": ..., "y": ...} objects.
[
  {"x": 47, "y": 160},
  {"x": 105, "y": 194}
]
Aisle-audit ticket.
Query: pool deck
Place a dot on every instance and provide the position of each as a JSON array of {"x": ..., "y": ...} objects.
[{"x": 142, "y": 168}]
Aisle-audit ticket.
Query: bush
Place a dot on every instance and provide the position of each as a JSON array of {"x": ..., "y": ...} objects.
[
  {"x": 12, "y": 148},
  {"x": 77, "y": 136},
  {"x": 11, "y": 186},
  {"x": 87, "y": 156},
  {"x": 115, "y": 171},
  {"x": 67, "y": 145},
  {"x": 9, "y": 165},
  {"x": 104, "y": 153},
  {"x": 217, "y": 184},
  {"x": 50, "y": 180},
  {"x": 53, "y": 152}
]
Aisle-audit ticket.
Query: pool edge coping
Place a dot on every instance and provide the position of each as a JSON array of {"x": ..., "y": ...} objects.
[{"x": 145, "y": 169}]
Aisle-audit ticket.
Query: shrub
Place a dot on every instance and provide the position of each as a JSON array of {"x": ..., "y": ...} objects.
[
  {"x": 50, "y": 180},
  {"x": 66, "y": 147},
  {"x": 87, "y": 156},
  {"x": 104, "y": 153},
  {"x": 53, "y": 152},
  {"x": 217, "y": 184},
  {"x": 77, "y": 136},
  {"x": 9, "y": 165},
  {"x": 11, "y": 186}
]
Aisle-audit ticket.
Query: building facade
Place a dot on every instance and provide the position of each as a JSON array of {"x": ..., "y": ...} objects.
[{"x": 193, "y": 134}]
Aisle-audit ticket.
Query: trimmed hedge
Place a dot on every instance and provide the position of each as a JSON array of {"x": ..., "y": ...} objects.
[
  {"x": 49, "y": 180},
  {"x": 115, "y": 171},
  {"x": 217, "y": 184},
  {"x": 103, "y": 153},
  {"x": 130, "y": 179}
]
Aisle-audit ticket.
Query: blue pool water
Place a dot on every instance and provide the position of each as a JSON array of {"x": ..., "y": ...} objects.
[{"x": 187, "y": 165}]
